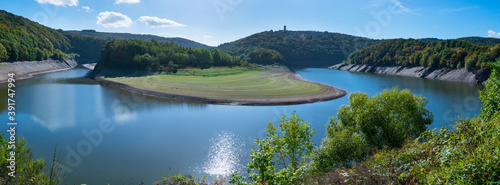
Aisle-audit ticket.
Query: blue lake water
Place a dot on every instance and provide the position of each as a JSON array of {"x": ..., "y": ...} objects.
[{"x": 112, "y": 136}]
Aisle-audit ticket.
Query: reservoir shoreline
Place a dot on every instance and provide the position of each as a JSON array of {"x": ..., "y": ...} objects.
[
  {"x": 447, "y": 74},
  {"x": 27, "y": 69}
]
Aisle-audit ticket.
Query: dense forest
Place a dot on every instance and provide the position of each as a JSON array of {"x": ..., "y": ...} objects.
[
  {"x": 160, "y": 56},
  {"x": 144, "y": 37},
  {"x": 411, "y": 52},
  {"x": 22, "y": 39},
  {"x": 472, "y": 40},
  {"x": 331, "y": 48}
]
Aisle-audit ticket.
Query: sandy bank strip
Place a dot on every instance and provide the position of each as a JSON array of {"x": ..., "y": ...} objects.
[
  {"x": 26, "y": 69},
  {"x": 329, "y": 94},
  {"x": 89, "y": 66}
]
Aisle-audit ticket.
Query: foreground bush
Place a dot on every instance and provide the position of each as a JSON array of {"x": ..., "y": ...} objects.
[
  {"x": 467, "y": 154},
  {"x": 490, "y": 95},
  {"x": 179, "y": 179},
  {"x": 289, "y": 151},
  {"x": 370, "y": 122},
  {"x": 28, "y": 169}
]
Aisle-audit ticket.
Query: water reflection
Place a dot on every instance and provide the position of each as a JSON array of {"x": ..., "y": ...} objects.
[
  {"x": 224, "y": 155},
  {"x": 124, "y": 106}
]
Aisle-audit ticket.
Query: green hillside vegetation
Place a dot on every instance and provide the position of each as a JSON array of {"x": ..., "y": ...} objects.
[
  {"x": 331, "y": 48},
  {"x": 481, "y": 40},
  {"x": 265, "y": 56},
  {"x": 160, "y": 56},
  {"x": 144, "y": 37},
  {"x": 454, "y": 54},
  {"x": 28, "y": 169},
  {"x": 24, "y": 40},
  {"x": 86, "y": 47},
  {"x": 473, "y": 40}
]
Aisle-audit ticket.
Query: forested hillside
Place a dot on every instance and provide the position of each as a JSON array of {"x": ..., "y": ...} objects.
[
  {"x": 22, "y": 39},
  {"x": 160, "y": 56},
  {"x": 410, "y": 52},
  {"x": 472, "y": 40},
  {"x": 144, "y": 37},
  {"x": 296, "y": 46}
]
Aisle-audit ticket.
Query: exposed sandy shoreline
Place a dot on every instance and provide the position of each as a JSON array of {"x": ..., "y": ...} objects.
[
  {"x": 330, "y": 93},
  {"x": 26, "y": 69}
]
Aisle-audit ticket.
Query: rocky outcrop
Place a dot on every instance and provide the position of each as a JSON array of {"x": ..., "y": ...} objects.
[
  {"x": 26, "y": 69},
  {"x": 455, "y": 75}
]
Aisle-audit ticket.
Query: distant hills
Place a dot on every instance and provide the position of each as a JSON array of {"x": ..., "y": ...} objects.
[
  {"x": 473, "y": 40},
  {"x": 301, "y": 48},
  {"x": 144, "y": 37}
]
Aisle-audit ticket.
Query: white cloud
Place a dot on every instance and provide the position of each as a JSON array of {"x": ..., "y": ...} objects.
[
  {"x": 491, "y": 33},
  {"x": 457, "y": 9},
  {"x": 113, "y": 20},
  {"x": 402, "y": 8},
  {"x": 127, "y": 1},
  {"x": 397, "y": 5},
  {"x": 86, "y": 8},
  {"x": 59, "y": 2},
  {"x": 157, "y": 22},
  {"x": 208, "y": 36}
]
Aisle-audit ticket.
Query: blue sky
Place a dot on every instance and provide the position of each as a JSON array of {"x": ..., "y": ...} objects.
[{"x": 214, "y": 22}]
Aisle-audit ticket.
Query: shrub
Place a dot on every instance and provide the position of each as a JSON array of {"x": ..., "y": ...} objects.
[
  {"x": 490, "y": 95},
  {"x": 179, "y": 179},
  {"x": 384, "y": 120},
  {"x": 28, "y": 169},
  {"x": 291, "y": 150}
]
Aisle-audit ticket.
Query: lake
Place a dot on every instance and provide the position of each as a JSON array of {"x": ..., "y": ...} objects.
[{"x": 112, "y": 136}]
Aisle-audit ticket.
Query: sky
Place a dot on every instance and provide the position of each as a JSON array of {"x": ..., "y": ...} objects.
[{"x": 214, "y": 22}]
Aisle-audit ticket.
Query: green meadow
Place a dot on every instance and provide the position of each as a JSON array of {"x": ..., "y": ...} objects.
[{"x": 228, "y": 84}]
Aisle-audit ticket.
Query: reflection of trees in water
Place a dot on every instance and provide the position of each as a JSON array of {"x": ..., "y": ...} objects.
[{"x": 123, "y": 105}]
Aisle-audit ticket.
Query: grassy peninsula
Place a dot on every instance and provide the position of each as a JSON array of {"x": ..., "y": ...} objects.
[
  {"x": 167, "y": 70},
  {"x": 262, "y": 86}
]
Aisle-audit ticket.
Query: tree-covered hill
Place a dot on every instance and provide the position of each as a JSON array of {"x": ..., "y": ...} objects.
[
  {"x": 22, "y": 39},
  {"x": 319, "y": 48},
  {"x": 472, "y": 40},
  {"x": 452, "y": 53},
  {"x": 144, "y": 37},
  {"x": 153, "y": 56}
]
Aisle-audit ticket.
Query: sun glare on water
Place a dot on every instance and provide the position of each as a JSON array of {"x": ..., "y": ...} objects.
[{"x": 224, "y": 155}]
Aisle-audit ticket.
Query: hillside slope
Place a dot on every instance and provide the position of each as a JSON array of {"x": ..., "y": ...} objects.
[
  {"x": 452, "y": 53},
  {"x": 304, "y": 48},
  {"x": 144, "y": 37},
  {"x": 25, "y": 40},
  {"x": 473, "y": 40}
]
